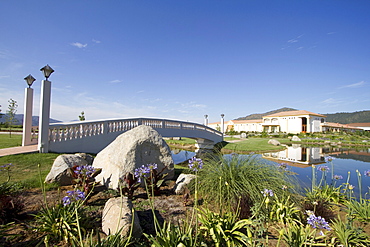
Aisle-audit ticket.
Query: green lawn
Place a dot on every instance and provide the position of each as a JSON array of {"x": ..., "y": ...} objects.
[
  {"x": 251, "y": 145},
  {"x": 6, "y": 141},
  {"x": 24, "y": 168},
  {"x": 183, "y": 141}
]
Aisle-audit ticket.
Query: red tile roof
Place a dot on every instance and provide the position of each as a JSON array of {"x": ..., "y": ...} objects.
[
  {"x": 338, "y": 125},
  {"x": 294, "y": 113},
  {"x": 359, "y": 124}
]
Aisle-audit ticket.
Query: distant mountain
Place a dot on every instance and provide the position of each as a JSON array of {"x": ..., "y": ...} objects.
[
  {"x": 19, "y": 120},
  {"x": 340, "y": 117},
  {"x": 349, "y": 117},
  {"x": 260, "y": 115}
]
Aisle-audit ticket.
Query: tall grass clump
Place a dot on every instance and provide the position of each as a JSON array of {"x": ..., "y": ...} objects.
[{"x": 236, "y": 181}]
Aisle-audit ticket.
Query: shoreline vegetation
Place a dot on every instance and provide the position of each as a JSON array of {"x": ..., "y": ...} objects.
[{"x": 258, "y": 143}]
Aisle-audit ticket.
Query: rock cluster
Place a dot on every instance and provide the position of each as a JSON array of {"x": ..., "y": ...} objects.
[{"x": 132, "y": 149}]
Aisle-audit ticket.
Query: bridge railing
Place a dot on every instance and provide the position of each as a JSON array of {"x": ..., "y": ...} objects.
[{"x": 101, "y": 131}]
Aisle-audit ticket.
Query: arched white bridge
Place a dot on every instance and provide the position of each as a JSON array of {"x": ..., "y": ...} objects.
[{"x": 93, "y": 136}]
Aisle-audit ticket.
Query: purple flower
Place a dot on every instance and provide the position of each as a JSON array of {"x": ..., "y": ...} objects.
[
  {"x": 317, "y": 222},
  {"x": 6, "y": 166},
  {"x": 329, "y": 158},
  {"x": 195, "y": 164},
  {"x": 338, "y": 177},
  {"x": 152, "y": 167},
  {"x": 367, "y": 173},
  {"x": 323, "y": 168},
  {"x": 142, "y": 172},
  {"x": 87, "y": 170},
  {"x": 267, "y": 192},
  {"x": 73, "y": 196},
  {"x": 283, "y": 166}
]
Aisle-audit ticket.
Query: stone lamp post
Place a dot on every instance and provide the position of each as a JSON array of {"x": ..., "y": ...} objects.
[
  {"x": 222, "y": 123},
  {"x": 27, "y": 118},
  {"x": 43, "y": 144}
]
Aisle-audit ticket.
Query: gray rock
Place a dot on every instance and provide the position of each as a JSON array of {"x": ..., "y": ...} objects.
[
  {"x": 117, "y": 216},
  {"x": 132, "y": 149},
  {"x": 182, "y": 181},
  {"x": 60, "y": 172},
  {"x": 296, "y": 139},
  {"x": 89, "y": 159},
  {"x": 274, "y": 142}
]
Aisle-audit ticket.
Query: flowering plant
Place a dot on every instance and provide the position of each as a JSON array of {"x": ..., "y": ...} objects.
[
  {"x": 6, "y": 168},
  {"x": 84, "y": 176},
  {"x": 129, "y": 184},
  {"x": 195, "y": 164},
  {"x": 367, "y": 173},
  {"x": 152, "y": 177},
  {"x": 73, "y": 196},
  {"x": 323, "y": 168},
  {"x": 317, "y": 222}
]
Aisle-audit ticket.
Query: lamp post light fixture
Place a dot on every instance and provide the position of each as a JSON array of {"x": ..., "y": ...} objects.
[
  {"x": 47, "y": 71},
  {"x": 30, "y": 79},
  {"x": 206, "y": 120}
]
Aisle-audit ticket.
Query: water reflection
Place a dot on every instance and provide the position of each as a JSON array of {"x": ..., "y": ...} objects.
[
  {"x": 298, "y": 156},
  {"x": 180, "y": 156},
  {"x": 347, "y": 162}
]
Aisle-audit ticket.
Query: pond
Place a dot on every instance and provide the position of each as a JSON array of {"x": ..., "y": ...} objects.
[{"x": 299, "y": 160}]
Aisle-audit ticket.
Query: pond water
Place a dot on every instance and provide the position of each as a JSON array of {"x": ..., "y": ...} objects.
[{"x": 299, "y": 160}]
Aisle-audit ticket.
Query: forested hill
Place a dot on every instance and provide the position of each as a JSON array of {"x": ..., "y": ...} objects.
[
  {"x": 341, "y": 117},
  {"x": 349, "y": 117},
  {"x": 260, "y": 115}
]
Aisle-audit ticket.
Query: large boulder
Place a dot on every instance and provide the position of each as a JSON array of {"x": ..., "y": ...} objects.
[
  {"x": 274, "y": 142},
  {"x": 182, "y": 181},
  {"x": 117, "y": 216},
  {"x": 132, "y": 149},
  {"x": 60, "y": 172},
  {"x": 296, "y": 139}
]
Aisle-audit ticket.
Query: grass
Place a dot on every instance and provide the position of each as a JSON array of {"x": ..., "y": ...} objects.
[
  {"x": 251, "y": 145},
  {"x": 182, "y": 142},
  {"x": 6, "y": 141},
  {"x": 25, "y": 170}
]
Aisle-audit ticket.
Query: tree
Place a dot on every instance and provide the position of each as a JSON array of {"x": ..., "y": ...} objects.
[
  {"x": 1, "y": 113},
  {"x": 10, "y": 114},
  {"x": 82, "y": 116}
]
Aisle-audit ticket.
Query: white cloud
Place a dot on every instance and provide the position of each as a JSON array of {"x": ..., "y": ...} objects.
[
  {"x": 331, "y": 101},
  {"x": 78, "y": 45},
  {"x": 295, "y": 40},
  {"x": 354, "y": 85},
  {"x": 96, "y": 41},
  {"x": 115, "y": 81}
]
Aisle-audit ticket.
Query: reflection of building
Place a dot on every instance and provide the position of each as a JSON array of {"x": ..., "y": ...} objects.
[{"x": 297, "y": 156}]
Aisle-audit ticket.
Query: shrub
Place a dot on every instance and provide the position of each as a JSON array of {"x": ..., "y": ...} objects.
[{"x": 229, "y": 180}]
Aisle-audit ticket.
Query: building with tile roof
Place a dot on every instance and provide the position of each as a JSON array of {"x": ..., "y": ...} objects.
[{"x": 294, "y": 122}]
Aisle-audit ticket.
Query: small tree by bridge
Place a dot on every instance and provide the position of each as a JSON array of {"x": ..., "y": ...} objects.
[{"x": 10, "y": 114}]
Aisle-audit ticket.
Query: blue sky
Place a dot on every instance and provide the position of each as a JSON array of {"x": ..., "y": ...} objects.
[{"x": 184, "y": 59}]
